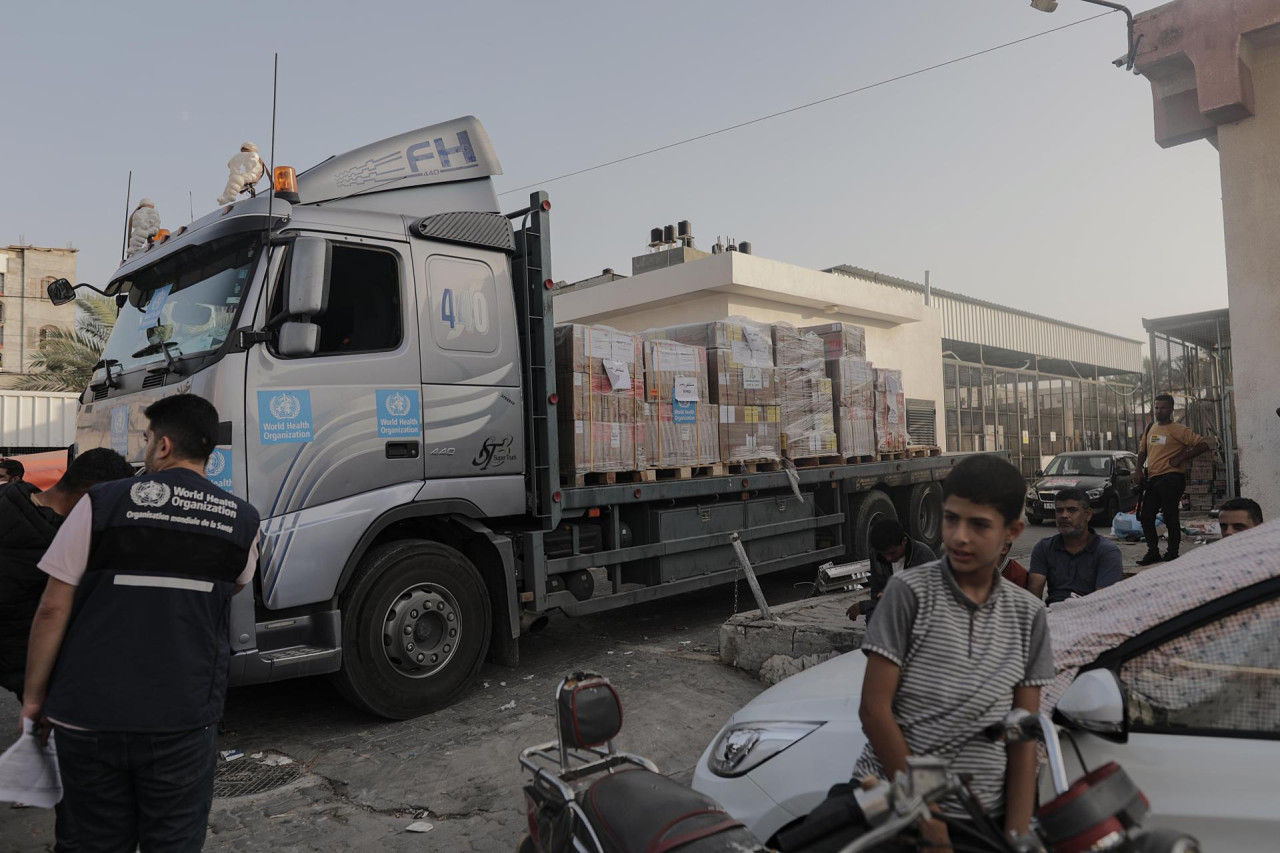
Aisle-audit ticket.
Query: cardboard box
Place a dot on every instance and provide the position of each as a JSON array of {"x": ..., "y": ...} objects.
[
  {"x": 841, "y": 340},
  {"x": 750, "y": 433},
  {"x": 733, "y": 384},
  {"x": 808, "y": 416},
  {"x": 794, "y": 348},
  {"x": 678, "y": 419},
  {"x": 746, "y": 343},
  {"x": 600, "y": 383}
]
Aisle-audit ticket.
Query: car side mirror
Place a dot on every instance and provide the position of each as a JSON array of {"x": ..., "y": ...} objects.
[
  {"x": 1038, "y": 473},
  {"x": 297, "y": 339},
  {"x": 308, "y": 281},
  {"x": 1095, "y": 703},
  {"x": 61, "y": 292}
]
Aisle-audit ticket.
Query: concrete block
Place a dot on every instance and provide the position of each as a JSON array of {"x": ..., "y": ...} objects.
[{"x": 811, "y": 628}]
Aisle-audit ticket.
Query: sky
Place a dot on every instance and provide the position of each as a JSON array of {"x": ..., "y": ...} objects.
[{"x": 1027, "y": 176}]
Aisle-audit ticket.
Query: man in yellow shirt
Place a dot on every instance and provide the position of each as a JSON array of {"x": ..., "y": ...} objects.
[{"x": 1166, "y": 449}]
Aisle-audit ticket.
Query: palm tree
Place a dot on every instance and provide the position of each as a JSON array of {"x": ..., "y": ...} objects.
[{"x": 65, "y": 358}]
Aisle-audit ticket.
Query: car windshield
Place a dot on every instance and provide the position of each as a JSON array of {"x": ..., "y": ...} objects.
[
  {"x": 186, "y": 303},
  {"x": 1080, "y": 466}
]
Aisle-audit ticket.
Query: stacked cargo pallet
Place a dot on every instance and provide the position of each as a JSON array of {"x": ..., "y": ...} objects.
[
  {"x": 891, "y": 412},
  {"x": 679, "y": 422},
  {"x": 808, "y": 418},
  {"x": 743, "y": 384},
  {"x": 1204, "y": 490},
  {"x": 600, "y": 382},
  {"x": 852, "y": 386}
]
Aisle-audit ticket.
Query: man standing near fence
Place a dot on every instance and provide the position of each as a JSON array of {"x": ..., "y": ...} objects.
[{"x": 1166, "y": 449}]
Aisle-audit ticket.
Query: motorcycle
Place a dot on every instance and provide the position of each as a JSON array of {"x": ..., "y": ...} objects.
[{"x": 586, "y": 796}]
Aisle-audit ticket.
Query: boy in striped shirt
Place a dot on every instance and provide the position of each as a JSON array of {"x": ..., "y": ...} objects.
[{"x": 954, "y": 647}]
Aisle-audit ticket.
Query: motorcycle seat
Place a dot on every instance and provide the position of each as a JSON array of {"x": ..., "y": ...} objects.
[{"x": 636, "y": 811}]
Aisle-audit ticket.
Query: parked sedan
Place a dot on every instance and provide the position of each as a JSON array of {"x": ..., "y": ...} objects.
[
  {"x": 1191, "y": 652},
  {"x": 1106, "y": 476}
]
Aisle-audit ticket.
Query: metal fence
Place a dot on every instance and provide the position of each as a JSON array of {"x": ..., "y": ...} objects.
[{"x": 1035, "y": 415}]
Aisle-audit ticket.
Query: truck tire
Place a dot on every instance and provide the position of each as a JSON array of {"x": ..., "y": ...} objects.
[
  {"x": 871, "y": 506},
  {"x": 416, "y": 626},
  {"x": 923, "y": 516}
]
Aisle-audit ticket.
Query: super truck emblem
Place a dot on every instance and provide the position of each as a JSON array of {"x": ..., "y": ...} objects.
[
  {"x": 285, "y": 407},
  {"x": 494, "y": 453},
  {"x": 398, "y": 405},
  {"x": 149, "y": 493}
]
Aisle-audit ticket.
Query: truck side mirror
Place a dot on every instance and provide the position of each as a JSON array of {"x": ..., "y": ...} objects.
[
  {"x": 308, "y": 282},
  {"x": 61, "y": 292},
  {"x": 297, "y": 338}
]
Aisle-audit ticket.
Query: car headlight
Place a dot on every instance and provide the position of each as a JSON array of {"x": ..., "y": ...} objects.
[
  {"x": 744, "y": 746},
  {"x": 1031, "y": 494},
  {"x": 1094, "y": 494}
]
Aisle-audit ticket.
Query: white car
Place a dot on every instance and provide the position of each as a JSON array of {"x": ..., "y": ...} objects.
[{"x": 1193, "y": 714}]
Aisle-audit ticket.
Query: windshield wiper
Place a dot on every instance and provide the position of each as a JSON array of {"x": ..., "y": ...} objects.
[{"x": 163, "y": 347}]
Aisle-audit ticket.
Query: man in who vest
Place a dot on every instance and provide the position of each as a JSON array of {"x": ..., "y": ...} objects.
[{"x": 129, "y": 649}]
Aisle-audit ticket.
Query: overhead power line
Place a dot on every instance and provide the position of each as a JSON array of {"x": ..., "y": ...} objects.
[{"x": 806, "y": 106}]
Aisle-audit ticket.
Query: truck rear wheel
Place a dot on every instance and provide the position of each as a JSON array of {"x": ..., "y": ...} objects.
[
  {"x": 871, "y": 507},
  {"x": 923, "y": 516},
  {"x": 416, "y": 625}
]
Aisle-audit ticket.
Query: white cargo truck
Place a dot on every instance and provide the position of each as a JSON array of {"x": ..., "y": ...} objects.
[{"x": 379, "y": 343}]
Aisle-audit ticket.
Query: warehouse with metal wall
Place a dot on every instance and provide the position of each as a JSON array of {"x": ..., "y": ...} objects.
[{"x": 1029, "y": 384}]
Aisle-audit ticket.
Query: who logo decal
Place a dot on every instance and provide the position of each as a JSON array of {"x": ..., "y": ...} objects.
[
  {"x": 399, "y": 412},
  {"x": 218, "y": 469},
  {"x": 284, "y": 417},
  {"x": 150, "y": 493}
]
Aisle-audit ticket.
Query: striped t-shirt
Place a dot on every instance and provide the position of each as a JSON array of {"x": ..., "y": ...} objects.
[{"x": 960, "y": 663}]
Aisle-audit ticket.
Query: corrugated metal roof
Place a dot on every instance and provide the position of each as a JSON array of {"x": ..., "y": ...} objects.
[{"x": 977, "y": 321}]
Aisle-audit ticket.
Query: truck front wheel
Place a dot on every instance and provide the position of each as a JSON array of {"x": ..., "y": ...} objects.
[{"x": 416, "y": 624}]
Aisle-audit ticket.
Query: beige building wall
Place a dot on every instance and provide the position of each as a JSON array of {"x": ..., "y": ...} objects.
[
  {"x": 902, "y": 333},
  {"x": 26, "y": 306}
]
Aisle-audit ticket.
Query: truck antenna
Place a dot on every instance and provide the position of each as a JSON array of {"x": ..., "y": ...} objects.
[
  {"x": 128, "y": 197},
  {"x": 191, "y": 207},
  {"x": 271, "y": 176}
]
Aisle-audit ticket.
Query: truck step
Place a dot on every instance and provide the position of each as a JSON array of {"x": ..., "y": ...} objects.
[{"x": 301, "y": 660}]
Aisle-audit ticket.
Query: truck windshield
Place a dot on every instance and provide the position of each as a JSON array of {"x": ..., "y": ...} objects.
[{"x": 186, "y": 303}]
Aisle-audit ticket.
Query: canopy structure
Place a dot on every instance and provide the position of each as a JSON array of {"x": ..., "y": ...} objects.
[{"x": 1191, "y": 359}]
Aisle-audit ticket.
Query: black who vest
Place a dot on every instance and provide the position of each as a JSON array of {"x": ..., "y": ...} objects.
[{"x": 147, "y": 647}]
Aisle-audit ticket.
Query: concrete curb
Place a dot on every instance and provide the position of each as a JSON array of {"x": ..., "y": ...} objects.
[{"x": 814, "y": 629}]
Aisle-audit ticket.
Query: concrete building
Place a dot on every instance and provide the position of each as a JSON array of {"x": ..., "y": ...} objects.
[
  {"x": 26, "y": 314},
  {"x": 1214, "y": 69},
  {"x": 977, "y": 376}
]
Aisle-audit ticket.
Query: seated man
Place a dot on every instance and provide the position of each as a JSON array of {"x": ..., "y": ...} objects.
[
  {"x": 893, "y": 550},
  {"x": 11, "y": 471},
  {"x": 1075, "y": 561},
  {"x": 1238, "y": 515}
]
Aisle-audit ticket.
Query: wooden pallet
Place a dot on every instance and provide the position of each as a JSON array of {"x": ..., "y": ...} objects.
[
  {"x": 915, "y": 451},
  {"x": 854, "y": 460},
  {"x": 606, "y": 478},
  {"x": 891, "y": 455},
  {"x": 761, "y": 466},
  {"x": 690, "y": 472},
  {"x": 818, "y": 461}
]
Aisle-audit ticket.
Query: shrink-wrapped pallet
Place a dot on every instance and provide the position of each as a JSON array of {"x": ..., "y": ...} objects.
[
  {"x": 679, "y": 423},
  {"x": 840, "y": 340},
  {"x": 735, "y": 384},
  {"x": 891, "y": 412},
  {"x": 750, "y": 434},
  {"x": 853, "y": 388},
  {"x": 745, "y": 342},
  {"x": 808, "y": 415},
  {"x": 599, "y": 379}
]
